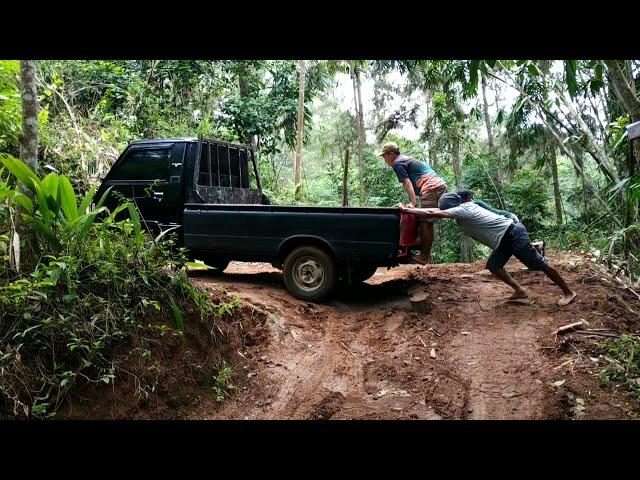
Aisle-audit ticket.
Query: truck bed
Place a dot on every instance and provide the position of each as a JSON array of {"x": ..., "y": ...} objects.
[{"x": 263, "y": 232}]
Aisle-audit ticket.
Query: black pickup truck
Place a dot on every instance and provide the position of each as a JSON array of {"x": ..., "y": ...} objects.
[{"x": 211, "y": 191}]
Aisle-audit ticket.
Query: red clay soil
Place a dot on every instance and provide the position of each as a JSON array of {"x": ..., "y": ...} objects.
[
  {"x": 366, "y": 355},
  {"x": 177, "y": 373}
]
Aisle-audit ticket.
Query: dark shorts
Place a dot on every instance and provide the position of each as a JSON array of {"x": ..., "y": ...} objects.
[{"x": 516, "y": 242}]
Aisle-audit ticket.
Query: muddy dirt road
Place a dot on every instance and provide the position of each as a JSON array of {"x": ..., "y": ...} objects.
[{"x": 366, "y": 355}]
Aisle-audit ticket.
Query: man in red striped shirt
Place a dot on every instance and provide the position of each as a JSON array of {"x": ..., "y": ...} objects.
[{"x": 419, "y": 180}]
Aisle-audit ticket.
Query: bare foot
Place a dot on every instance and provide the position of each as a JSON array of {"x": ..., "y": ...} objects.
[
  {"x": 420, "y": 259},
  {"x": 566, "y": 299},
  {"x": 517, "y": 295}
]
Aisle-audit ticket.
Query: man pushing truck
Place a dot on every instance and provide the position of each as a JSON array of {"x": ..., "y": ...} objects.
[{"x": 504, "y": 236}]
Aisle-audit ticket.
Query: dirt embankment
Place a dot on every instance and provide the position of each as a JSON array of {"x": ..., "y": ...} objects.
[{"x": 365, "y": 354}]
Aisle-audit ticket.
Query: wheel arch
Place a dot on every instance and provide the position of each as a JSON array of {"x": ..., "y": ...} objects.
[{"x": 291, "y": 243}]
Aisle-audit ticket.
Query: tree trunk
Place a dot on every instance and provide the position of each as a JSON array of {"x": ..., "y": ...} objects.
[
  {"x": 29, "y": 135},
  {"x": 595, "y": 151},
  {"x": 300, "y": 131},
  {"x": 625, "y": 91},
  {"x": 585, "y": 195},
  {"x": 556, "y": 186},
  {"x": 465, "y": 244},
  {"x": 454, "y": 135},
  {"x": 568, "y": 153},
  {"x": 28, "y": 139},
  {"x": 345, "y": 180},
  {"x": 247, "y": 70},
  {"x": 428, "y": 94},
  {"x": 497, "y": 181},
  {"x": 355, "y": 75}
]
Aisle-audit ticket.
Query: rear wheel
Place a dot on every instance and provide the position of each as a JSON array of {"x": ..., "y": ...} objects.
[{"x": 309, "y": 273}]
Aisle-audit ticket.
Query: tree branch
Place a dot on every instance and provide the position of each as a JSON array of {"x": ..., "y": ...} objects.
[{"x": 623, "y": 90}]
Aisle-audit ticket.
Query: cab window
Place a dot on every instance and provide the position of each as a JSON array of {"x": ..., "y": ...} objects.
[{"x": 144, "y": 164}]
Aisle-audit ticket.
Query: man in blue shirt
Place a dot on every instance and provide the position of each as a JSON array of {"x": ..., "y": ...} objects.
[{"x": 419, "y": 180}]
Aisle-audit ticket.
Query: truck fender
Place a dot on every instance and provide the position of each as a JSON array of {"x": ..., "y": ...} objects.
[{"x": 294, "y": 241}]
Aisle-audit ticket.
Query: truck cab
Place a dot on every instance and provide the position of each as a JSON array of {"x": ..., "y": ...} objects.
[{"x": 161, "y": 175}]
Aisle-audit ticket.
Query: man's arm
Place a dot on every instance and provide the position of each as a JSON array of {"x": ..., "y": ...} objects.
[
  {"x": 408, "y": 186},
  {"x": 426, "y": 212},
  {"x": 497, "y": 211}
]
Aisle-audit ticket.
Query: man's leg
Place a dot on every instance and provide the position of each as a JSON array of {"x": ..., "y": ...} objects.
[
  {"x": 518, "y": 291},
  {"x": 428, "y": 199},
  {"x": 498, "y": 259},
  {"x": 567, "y": 294},
  {"x": 527, "y": 254},
  {"x": 426, "y": 239}
]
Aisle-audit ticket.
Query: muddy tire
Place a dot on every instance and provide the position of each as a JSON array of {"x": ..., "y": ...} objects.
[{"x": 309, "y": 273}]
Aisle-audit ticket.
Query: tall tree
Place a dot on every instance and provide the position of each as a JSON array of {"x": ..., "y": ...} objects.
[
  {"x": 625, "y": 91},
  {"x": 28, "y": 139},
  {"x": 492, "y": 150},
  {"x": 300, "y": 132},
  {"x": 456, "y": 125},
  {"x": 29, "y": 134},
  {"x": 553, "y": 163},
  {"x": 532, "y": 80},
  {"x": 345, "y": 179},
  {"x": 355, "y": 75}
]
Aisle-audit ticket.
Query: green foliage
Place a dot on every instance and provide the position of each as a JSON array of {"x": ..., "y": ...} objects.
[
  {"x": 57, "y": 220},
  {"x": 623, "y": 363},
  {"x": 570, "y": 67},
  {"x": 266, "y": 104},
  {"x": 222, "y": 383},
  {"x": 95, "y": 287},
  {"x": 10, "y": 106},
  {"x": 527, "y": 197},
  {"x": 228, "y": 308}
]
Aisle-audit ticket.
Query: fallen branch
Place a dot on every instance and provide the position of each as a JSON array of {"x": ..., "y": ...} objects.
[
  {"x": 347, "y": 349},
  {"x": 624, "y": 304},
  {"x": 627, "y": 287},
  {"x": 604, "y": 271},
  {"x": 571, "y": 360},
  {"x": 571, "y": 326},
  {"x": 597, "y": 334},
  {"x": 431, "y": 329}
]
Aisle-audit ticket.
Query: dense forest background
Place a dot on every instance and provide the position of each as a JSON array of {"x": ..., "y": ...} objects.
[
  {"x": 543, "y": 139},
  {"x": 546, "y": 140}
]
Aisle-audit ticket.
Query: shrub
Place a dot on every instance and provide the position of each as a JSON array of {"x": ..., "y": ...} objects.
[
  {"x": 95, "y": 286},
  {"x": 623, "y": 356}
]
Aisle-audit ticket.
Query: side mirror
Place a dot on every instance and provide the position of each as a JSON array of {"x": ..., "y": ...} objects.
[{"x": 255, "y": 142}]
